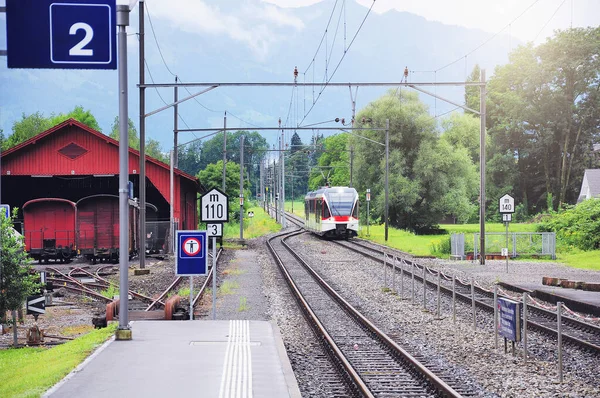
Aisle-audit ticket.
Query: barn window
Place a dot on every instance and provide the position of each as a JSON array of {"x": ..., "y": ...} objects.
[{"x": 72, "y": 151}]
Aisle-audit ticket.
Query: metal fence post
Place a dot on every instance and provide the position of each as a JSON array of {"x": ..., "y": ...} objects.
[
  {"x": 439, "y": 282},
  {"x": 473, "y": 302},
  {"x": 525, "y": 327},
  {"x": 496, "y": 316},
  {"x": 559, "y": 331},
  {"x": 424, "y": 288},
  {"x": 402, "y": 278},
  {"x": 384, "y": 270},
  {"x": 453, "y": 298},
  {"x": 412, "y": 274},
  {"x": 394, "y": 274}
]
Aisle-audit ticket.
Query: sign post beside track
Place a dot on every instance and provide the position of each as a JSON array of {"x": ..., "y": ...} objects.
[
  {"x": 214, "y": 210},
  {"x": 506, "y": 206},
  {"x": 191, "y": 258}
]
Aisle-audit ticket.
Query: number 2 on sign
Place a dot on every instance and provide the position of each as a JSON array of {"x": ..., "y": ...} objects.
[
  {"x": 210, "y": 211},
  {"x": 78, "y": 49}
]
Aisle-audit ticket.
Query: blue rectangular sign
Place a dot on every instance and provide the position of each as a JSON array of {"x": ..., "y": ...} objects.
[
  {"x": 509, "y": 325},
  {"x": 6, "y": 210},
  {"x": 61, "y": 34},
  {"x": 191, "y": 254}
]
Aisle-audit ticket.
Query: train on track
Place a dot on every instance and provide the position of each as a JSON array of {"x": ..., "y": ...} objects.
[
  {"x": 59, "y": 230},
  {"x": 332, "y": 212}
]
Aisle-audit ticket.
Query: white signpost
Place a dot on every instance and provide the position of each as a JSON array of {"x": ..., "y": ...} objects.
[
  {"x": 214, "y": 210},
  {"x": 506, "y": 206}
]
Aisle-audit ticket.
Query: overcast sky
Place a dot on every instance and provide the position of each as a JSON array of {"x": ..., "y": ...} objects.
[{"x": 490, "y": 15}]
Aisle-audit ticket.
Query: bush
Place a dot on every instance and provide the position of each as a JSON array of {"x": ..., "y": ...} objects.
[
  {"x": 441, "y": 246},
  {"x": 577, "y": 226}
]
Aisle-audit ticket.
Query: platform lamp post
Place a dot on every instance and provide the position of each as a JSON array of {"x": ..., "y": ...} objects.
[{"x": 124, "y": 331}]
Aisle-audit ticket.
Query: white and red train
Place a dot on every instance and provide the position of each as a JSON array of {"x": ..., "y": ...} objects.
[{"x": 332, "y": 212}]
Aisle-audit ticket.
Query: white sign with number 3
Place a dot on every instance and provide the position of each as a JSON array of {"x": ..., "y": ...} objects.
[{"x": 214, "y": 230}]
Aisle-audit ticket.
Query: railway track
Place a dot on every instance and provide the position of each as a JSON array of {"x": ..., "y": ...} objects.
[
  {"x": 371, "y": 363},
  {"x": 574, "y": 331},
  {"x": 177, "y": 281}
]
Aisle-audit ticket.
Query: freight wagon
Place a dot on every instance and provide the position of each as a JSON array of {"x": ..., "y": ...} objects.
[
  {"x": 98, "y": 228},
  {"x": 49, "y": 229}
]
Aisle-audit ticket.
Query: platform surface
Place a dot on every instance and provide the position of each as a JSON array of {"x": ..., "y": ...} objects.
[
  {"x": 187, "y": 358},
  {"x": 582, "y": 296}
]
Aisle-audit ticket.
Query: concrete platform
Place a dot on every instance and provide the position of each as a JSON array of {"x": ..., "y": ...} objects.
[
  {"x": 575, "y": 299},
  {"x": 187, "y": 358}
]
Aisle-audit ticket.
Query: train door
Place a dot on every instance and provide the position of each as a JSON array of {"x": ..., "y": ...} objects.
[
  {"x": 318, "y": 211},
  {"x": 86, "y": 231}
]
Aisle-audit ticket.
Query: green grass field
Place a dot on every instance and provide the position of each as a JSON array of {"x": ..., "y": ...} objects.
[
  {"x": 29, "y": 372},
  {"x": 424, "y": 245},
  {"x": 259, "y": 225}
]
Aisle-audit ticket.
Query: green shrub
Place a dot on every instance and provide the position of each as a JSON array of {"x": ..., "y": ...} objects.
[
  {"x": 440, "y": 246},
  {"x": 577, "y": 226}
]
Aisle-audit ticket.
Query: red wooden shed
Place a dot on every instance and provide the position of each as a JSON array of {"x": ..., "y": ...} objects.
[{"x": 72, "y": 161}]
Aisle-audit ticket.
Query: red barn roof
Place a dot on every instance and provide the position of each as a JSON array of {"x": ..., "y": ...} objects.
[{"x": 72, "y": 148}]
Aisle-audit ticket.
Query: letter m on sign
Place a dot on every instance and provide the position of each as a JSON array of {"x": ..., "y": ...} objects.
[{"x": 213, "y": 197}]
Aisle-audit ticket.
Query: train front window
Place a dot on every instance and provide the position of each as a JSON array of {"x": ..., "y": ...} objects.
[{"x": 341, "y": 203}]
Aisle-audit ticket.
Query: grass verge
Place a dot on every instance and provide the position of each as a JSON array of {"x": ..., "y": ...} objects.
[
  {"x": 259, "y": 225},
  {"x": 29, "y": 372},
  {"x": 422, "y": 245}
]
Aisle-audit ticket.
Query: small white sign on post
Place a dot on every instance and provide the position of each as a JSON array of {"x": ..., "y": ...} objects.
[
  {"x": 504, "y": 252},
  {"x": 214, "y": 230},
  {"x": 506, "y": 217},
  {"x": 506, "y": 204},
  {"x": 214, "y": 206}
]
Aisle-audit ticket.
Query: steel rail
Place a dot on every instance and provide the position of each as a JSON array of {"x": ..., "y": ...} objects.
[
  {"x": 206, "y": 281},
  {"x": 349, "y": 373},
  {"x": 134, "y": 294},
  {"x": 466, "y": 297},
  {"x": 439, "y": 384}
]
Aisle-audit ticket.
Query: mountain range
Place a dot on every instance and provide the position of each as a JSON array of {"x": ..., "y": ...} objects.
[{"x": 263, "y": 43}]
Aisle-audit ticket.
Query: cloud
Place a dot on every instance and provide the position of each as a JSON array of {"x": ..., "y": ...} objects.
[{"x": 257, "y": 25}]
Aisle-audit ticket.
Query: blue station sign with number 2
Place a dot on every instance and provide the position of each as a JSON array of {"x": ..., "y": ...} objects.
[{"x": 61, "y": 34}]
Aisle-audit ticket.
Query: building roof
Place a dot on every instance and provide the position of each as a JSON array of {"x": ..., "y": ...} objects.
[
  {"x": 593, "y": 180},
  {"x": 72, "y": 122}
]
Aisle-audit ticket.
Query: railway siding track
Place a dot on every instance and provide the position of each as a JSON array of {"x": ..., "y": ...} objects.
[
  {"x": 574, "y": 331},
  {"x": 373, "y": 363}
]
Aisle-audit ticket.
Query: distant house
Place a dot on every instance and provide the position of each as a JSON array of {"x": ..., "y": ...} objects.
[{"x": 590, "y": 187}]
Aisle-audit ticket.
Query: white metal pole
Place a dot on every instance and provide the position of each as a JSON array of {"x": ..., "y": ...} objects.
[
  {"x": 439, "y": 298},
  {"x": 412, "y": 275},
  {"x": 559, "y": 331},
  {"x": 214, "y": 280},
  {"x": 453, "y": 298},
  {"x": 424, "y": 287},
  {"x": 191, "y": 298},
  {"x": 473, "y": 302},
  {"x": 171, "y": 200},
  {"x": 482, "y": 94},
  {"x": 122, "y": 23},
  {"x": 394, "y": 274},
  {"x": 525, "y": 327},
  {"x": 283, "y": 219},
  {"x": 496, "y": 316}
]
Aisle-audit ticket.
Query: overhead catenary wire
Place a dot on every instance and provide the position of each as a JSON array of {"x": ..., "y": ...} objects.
[
  {"x": 172, "y": 73},
  {"x": 340, "y": 62},
  {"x": 549, "y": 19}
]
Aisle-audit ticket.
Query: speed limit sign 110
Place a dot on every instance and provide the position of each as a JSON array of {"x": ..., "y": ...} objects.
[{"x": 214, "y": 230}]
